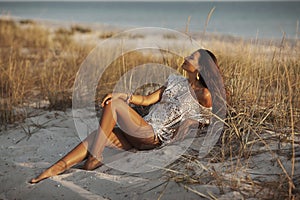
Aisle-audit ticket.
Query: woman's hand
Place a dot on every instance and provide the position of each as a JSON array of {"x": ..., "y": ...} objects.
[{"x": 111, "y": 96}]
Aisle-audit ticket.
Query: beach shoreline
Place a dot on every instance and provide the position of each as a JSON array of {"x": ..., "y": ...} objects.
[{"x": 99, "y": 27}]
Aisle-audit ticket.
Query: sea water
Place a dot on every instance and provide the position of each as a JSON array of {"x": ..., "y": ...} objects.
[{"x": 244, "y": 19}]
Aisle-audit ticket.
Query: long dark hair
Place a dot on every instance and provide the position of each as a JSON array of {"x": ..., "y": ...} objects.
[
  {"x": 203, "y": 53},
  {"x": 210, "y": 76}
]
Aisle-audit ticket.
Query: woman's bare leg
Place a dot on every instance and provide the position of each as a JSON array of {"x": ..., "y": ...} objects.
[
  {"x": 79, "y": 153},
  {"x": 128, "y": 120},
  {"x": 73, "y": 157}
]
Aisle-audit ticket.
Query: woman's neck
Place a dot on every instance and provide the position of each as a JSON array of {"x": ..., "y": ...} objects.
[
  {"x": 195, "y": 84},
  {"x": 201, "y": 92}
]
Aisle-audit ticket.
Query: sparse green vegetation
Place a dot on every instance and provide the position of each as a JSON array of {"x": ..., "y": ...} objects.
[
  {"x": 80, "y": 29},
  {"x": 106, "y": 35},
  {"x": 170, "y": 36}
]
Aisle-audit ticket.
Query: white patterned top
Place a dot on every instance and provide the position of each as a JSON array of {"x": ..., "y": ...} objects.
[{"x": 176, "y": 105}]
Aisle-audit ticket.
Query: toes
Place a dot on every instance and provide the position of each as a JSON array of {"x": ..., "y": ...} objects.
[
  {"x": 35, "y": 180},
  {"x": 32, "y": 181},
  {"x": 56, "y": 169}
]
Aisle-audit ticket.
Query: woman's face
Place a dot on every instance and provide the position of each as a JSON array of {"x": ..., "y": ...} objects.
[{"x": 191, "y": 62}]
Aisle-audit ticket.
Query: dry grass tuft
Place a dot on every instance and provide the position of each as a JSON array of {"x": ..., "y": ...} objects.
[
  {"x": 80, "y": 29},
  {"x": 106, "y": 35}
]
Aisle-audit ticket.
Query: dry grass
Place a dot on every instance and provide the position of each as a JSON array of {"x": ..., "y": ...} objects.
[
  {"x": 35, "y": 64},
  {"x": 263, "y": 79},
  {"x": 263, "y": 112}
]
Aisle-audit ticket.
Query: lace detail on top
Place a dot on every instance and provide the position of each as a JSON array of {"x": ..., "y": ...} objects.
[{"x": 176, "y": 105}]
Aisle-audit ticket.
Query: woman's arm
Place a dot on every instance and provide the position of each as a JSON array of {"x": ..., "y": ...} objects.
[
  {"x": 147, "y": 100},
  {"x": 136, "y": 99}
]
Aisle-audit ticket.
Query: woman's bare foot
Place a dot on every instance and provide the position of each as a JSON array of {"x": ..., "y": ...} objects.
[
  {"x": 56, "y": 169},
  {"x": 92, "y": 163}
]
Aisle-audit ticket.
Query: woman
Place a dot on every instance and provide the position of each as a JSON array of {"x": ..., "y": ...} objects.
[{"x": 179, "y": 100}]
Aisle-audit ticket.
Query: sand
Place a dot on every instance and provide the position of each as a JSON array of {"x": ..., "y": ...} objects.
[
  {"x": 24, "y": 157},
  {"x": 54, "y": 134}
]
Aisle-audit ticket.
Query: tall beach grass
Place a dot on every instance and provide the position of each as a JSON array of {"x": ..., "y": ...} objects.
[{"x": 36, "y": 64}]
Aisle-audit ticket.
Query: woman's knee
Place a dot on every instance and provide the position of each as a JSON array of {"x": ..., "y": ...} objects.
[{"x": 115, "y": 103}]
